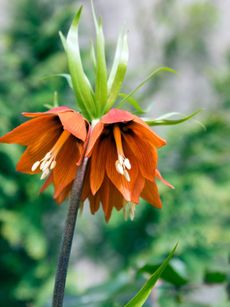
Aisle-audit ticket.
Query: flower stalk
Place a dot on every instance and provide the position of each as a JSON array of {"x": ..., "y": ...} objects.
[{"x": 63, "y": 261}]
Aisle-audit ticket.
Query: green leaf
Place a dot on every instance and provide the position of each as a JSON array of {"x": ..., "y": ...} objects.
[
  {"x": 132, "y": 102},
  {"x": 150, "y": 76},
  {"x": 82, "y": 88},
  {"x": 67, "y": 77},
  {"x": 139, "y": 299},
  {"x": 101, "y": 70},
  {"x": 215, "y": 277},
  {"x": 55, "y": 102},
  {"x": 164, "y": 121},
  {"x": 171, "y": 274},
  {"x": 118, "y": 70}
]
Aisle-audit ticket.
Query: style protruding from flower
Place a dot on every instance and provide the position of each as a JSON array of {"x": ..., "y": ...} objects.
[
  {"x": 55, "y": 143},
  {"x": 122, "y": 165}
]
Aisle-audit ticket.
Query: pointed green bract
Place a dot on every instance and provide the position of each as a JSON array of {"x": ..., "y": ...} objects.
[
  {"x": 81, "y": 85},
  {"x": 150, "y": 76},
  {"x": 118, "y": 70},
  {"x": 164, "y": 121},
  {"x": 132, "y": 102},
  {"x": 101, "y": 70},
  {"x": 140, "y": 298}
]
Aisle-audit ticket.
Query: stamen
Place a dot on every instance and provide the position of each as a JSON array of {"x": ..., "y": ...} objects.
[
  {"x": 122, "y": 164},
  {"x": 126, "y": 174},
  {"x": 45, "y": 174},
  {"x": 119, "y": 167},
  {"x": 35, "y": 166},
  {"x": 48, "y": 162},
  {"x": 132, "y": 211}
]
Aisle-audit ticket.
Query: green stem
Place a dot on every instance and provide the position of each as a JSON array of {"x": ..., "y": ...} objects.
[{"x": 63, "y": 261}]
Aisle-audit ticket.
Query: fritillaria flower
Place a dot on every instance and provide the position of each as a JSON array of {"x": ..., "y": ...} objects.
[
  {"x": 123, "y": 164},
  {"x": 54, "y": 141}
]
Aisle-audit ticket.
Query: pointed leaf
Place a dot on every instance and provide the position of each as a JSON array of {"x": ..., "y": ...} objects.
[
  {"x": 164, "y": 121},
  {"x": 151, "y": 75},
  {"x": 118, "y": 70},
  {"x": 139, "y": 299},
  {"x": 82, "y": 88},
  {"x": 132, "y": 102},
  {"x": 101, "y": 70},
  {"x": 65, "y": 76}
]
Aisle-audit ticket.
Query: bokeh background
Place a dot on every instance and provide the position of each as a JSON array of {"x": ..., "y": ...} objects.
[{"x": 110, "y": 262}]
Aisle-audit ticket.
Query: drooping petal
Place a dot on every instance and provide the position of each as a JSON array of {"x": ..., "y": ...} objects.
[
  {"x": 117, "y": 179},
  {"x": 95, "y": 134},
  {"x": 54, "y": 111},
  {"x": 86, "y": 184},
  {"x": 32, "y": 130},
  {"x": 105, "y": 199},
  {"x": 94, "y": 202},
  {"x": 37, "y": 151},
  {"x": 98, "y": 163},
  {"x": 74, "y": 123},
  {"x": 117, "y": 116},
  {"x": 63, "y": 194},
  {"x": 65, "y": 170},
  {"x": 143, "y": 131},
  {"x": 151, "y": 195},
  {"x": 138, "y": 188},
  {"x": 146, "y": 155},
  {"x": 48, "y": 182},
  {"x": 159, "y": 176}
]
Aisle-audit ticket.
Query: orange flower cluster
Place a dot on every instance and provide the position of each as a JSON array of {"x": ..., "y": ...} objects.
[{"x": 122, "y": 152}]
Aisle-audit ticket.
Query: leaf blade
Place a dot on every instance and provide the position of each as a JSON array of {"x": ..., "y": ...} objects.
[
  {"x": 151, "y": 75},
  {"x": 139, "y": 299}
]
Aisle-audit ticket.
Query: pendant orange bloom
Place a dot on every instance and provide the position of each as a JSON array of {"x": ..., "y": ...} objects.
[
  {"x": 54, "y": 141},
  {"x": 123, "y": 163}
]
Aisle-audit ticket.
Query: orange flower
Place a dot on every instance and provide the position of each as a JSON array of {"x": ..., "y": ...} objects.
[
  {"x": 123, "y": 163},
  {"x": 54, "y": 141}
]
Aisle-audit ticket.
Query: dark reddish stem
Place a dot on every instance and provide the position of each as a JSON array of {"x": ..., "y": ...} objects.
[{"x": 63, "y": 261}]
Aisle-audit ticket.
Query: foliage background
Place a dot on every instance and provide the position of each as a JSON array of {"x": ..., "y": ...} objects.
[{"x": 110, "y": 262}]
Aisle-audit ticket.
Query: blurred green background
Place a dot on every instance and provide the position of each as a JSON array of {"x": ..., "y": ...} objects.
[{"x": 110, "y": 262}]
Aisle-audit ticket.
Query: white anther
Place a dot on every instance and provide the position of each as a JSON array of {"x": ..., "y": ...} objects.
[
  {"x": 127, "y": 163},
  {"x": 35, "y": 166},
  {"x": 48, "y": 155},
  {"x": 126, "y": 174},
  {"x": 53, "y": 164},
  {"x": 45, "y": 174},
  {"x": 119, "y": 167},
  {"x": 120, "y": 159},
  {"x": 42, "y": 166},
  {"x": 132, "y": 211}
]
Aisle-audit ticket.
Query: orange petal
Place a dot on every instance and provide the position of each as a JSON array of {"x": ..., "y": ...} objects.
[
  {"x": 95, "y": 134},
  {"x": 97, "y": 169},
  {"x": 74, "y": 123},
  {"x": 159, "y": 176},
  {"x": 151, "y": 195},
  {"x": 117, "y": 179},
  {"x": 65, "y": 170},
  {"x": 48, "y": 181},
  {"x": 146, "y": 155},
  {"x": 143, "y": 131},
  {"x": 105, "y": 199},
  {"x": 94, "y": 203},
  {"x": 64, "y": 194},
  {"x": 138, "y": 188},
  {"x": 36, "y": 152},
  {"x": 52, "y": 111},
  {"x": 30, "y": 131},
  {"x": 86, "y": 184},
  {"x": 117, "y": 116}
]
